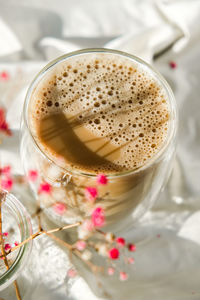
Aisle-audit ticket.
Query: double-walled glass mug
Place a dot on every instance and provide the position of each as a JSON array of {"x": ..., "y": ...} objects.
[
  {"x": 16, "y": 227},
  {"x": 129, "y": 192}
]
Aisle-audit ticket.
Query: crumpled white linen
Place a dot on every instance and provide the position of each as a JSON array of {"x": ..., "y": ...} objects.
[{"x": 167, "y": 260}]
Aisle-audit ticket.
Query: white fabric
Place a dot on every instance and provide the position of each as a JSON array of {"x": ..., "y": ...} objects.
[{"x": 168, "y": 237}]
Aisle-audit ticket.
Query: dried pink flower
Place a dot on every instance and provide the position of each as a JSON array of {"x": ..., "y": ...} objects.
[
  {"x": 5, "y": 234},
  {"x": 91, "y": 193},
  {"x": 120, "y": 241},
  {"x": 111, "y": 271},
  {"x": 7, "y": 246},
  {"x": 32, "y": 175},
  {"x": 123, "y": 276},
  {"x": 7, "y": 184},
  {"x": 98, "y": 217},
  {"x": 102, "y": 179},
  {"x": 59, "y": 208},
  {"x": 85, "y": 229},
  {"x": 4, "y": 75},
  {"x": 5, "y": 170},
  {"x": 131, "y": 260},
  {"x": 173, "y": 64},
  {"x": 80, "y": 245},
  {"x": 16, "y": 243},
  {"x": 131, "y": 247},
  {"x": 114, "y": 253},
  {"x": 3, "y": 124},
  {"x": 44, "y": 188},
  {"x": 88, "y": 225},
  {"x": 71, "y": 273}
]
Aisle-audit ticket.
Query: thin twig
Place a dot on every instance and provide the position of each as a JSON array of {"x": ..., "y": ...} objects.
[
  {"x": 33, "y": 236},
  {"x": 93, "y": 267}
]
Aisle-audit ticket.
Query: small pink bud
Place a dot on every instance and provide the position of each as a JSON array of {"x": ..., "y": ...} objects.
[
  {"x": 120, "y": 241},
  {"x": 7, "y": 184},
  {"x": 7, "y": 247},
  {"x": 87, "y": 225},
  {"x": 91, "y": 193},
  {"x": 98, "y": 217},
  {"x": 131, "y": 260},
  {"x": 131, "y": 247},
  {"x": 111, "y": 271},
  {"x": 5, "y": 170},
  {"x": 71, "y": 273},
  {"x": 102, "y": 179},
  {"x": 5, "y": 234},
  {"x": 44, "y": 188},
  {"x": 123, "y": 276},
  {"x": 32, "y": 175},
  {"x": 172, "y": 64},
  {"x": 3, "y": 124},
  {"x": 4, "y": 75},
  {"x": 59, "y": 208},
  {"x": 113, "y": 253},
  {"x": 80, "y": 245}
]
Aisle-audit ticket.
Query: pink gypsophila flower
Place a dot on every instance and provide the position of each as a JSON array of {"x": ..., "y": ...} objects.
[
  {"x": 98, "y": 217},
  {"x": 3, "y": 124},
  {"x": 111, "y": 271},
  {"x": 5, "y": 170},
  {"x": 87, "y": 225},
  {"x": 120, "y": 241},
  {"x": 59, "y": 208},
  {"x": 131, "y": 247},
  {"x": 102, "y": 179},
  {"x": 173, "y": 64},
  {"x": 7, "y": 247},
  {"x": 4, "y": 75},
  {"x": 44, "y": 188},
  {"x": 123, "y": 276},
  {"x": 131, "y": 260},
  {"x": 71, "y": 273},
  {"x": 32, "y": 175},
  {"x": 91, "y": 193},
  {"x": 7, "y": 184},
  {"x": 16, "y": 243},
  {"x": 80, "y": 245},
  {"x": 114, "y": 253}
]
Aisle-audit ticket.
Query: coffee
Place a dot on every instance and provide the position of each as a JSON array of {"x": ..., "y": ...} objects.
[{"x": 99, "y": 113}]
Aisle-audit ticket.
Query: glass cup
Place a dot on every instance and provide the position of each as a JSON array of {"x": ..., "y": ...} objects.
[
  {"x": 127, "y": 196},
  {"x": 16, "y": 227}
]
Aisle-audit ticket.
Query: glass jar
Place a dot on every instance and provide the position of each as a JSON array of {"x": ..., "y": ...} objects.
[
  {"x": 16, "y": 227},
  {"x": 127, "y": 196}
]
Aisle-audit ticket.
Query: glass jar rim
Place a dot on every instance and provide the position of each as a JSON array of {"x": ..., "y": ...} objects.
[
  {"x": 171, "y": 99},
  {"x": 14, "y": 205}
]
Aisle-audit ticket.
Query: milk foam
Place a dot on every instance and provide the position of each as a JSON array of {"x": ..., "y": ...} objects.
[{"x": 113, "y": 98}]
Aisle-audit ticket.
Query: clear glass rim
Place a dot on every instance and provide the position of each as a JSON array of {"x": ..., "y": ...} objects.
[
  {"x": 25, "y": 222},
  {"x": 171, "y": 99}
]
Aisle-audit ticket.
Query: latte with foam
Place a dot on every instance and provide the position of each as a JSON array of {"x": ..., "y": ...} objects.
[
  {"x": 94, "y": 112},
  {"x": 99, "y": 113}
]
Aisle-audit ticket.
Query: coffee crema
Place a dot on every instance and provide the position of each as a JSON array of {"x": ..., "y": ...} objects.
[{"x": 99, "y": 113}]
